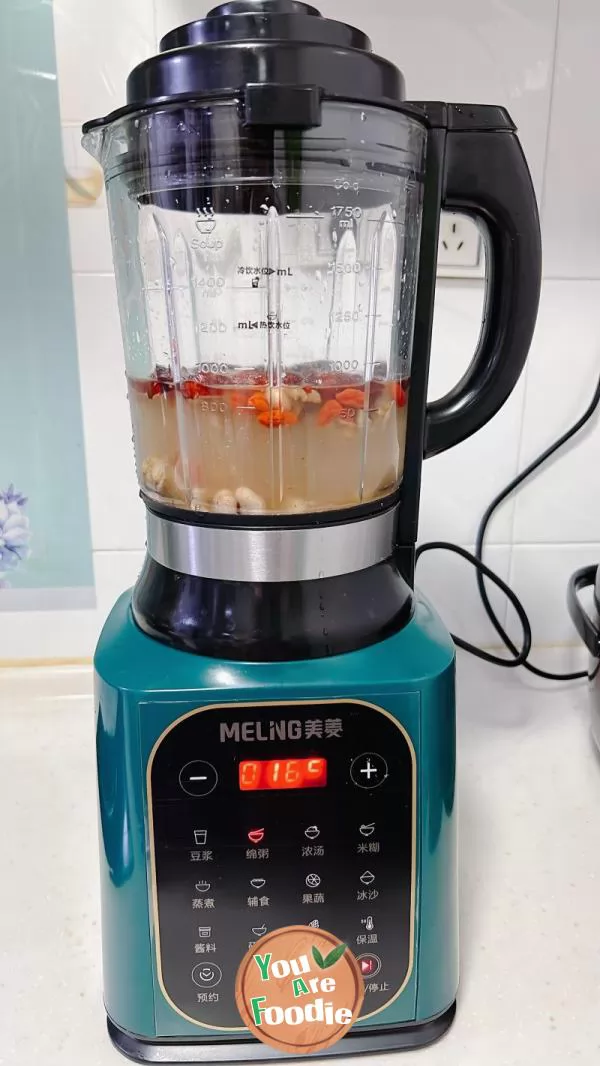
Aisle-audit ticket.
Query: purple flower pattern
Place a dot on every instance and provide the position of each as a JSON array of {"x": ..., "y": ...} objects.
[{"x": 15, "y": 533}]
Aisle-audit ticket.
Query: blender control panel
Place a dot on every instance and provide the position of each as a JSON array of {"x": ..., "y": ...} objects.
[{"x": 270, "y": 815}]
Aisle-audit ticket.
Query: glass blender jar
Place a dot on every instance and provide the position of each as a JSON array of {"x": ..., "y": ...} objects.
[{"x": 267, "y": 284}]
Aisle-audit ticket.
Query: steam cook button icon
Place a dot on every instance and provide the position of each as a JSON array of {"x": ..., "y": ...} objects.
[{"x": 206, "y": 975}]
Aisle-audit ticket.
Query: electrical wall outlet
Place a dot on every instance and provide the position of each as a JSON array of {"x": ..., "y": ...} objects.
[{"x": 461, "y": 248}]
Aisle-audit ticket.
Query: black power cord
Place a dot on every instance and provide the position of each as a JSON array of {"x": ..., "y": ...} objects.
[{"x": 520, "y": 656}]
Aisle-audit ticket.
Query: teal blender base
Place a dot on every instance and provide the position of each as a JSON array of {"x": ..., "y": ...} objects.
[
  {"x": 406, "y": 1037},
  {"x": 176, "y": 733}
]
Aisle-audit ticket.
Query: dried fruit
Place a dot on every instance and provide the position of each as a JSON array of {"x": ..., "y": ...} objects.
[
  {"x": 238, "y": 399},
  {"x": 250, "y": 377},
  {"x": 191, "y": 389},
  {"x": 259, "y": 402},
  {"x": 399, "y": 394},
  {"x": 276, "y": 417},
  {"x": 351, "y": 398},
  {"x": 331, "y": 409},
  {"x": 151, "y": 387}
]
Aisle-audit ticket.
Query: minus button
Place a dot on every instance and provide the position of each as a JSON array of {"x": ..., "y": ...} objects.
[{"x": 198, "y": 778}]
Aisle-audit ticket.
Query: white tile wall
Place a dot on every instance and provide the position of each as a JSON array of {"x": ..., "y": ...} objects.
[
  {"x": 97, "y": 44},
  {"x": 571, "y": 202},
  {"x": 538, "y": 58},
  {"x": 561, "y": 506}
]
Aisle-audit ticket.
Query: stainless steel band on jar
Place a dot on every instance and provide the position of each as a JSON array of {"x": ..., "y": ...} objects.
[{"x": 271, "y": 554}]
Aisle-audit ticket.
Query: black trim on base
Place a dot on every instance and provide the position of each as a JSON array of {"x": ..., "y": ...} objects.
[
  {"x": 406, "y": 1037},
  {"x": 272, "y": 621}
]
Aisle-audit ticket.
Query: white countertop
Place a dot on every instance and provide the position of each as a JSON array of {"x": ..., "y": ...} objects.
[{"x": 529, "y": 795}]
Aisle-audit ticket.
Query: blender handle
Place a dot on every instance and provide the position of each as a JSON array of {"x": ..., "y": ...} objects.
[
  {"x": 485, "y": 175},
  {"x": 587, "y": 629}
]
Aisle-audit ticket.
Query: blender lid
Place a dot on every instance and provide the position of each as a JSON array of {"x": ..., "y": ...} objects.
[{"x": 281, "y": 56}]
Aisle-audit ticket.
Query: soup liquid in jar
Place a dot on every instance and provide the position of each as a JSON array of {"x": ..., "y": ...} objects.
[{"x": 233, "y": 443}]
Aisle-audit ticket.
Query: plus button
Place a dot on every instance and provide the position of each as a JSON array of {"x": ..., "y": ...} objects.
[{"x": 368, "y": 770}]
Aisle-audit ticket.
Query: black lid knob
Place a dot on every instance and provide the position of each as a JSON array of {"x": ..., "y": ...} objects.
[
  {"x": 271, "y": 7},
  {"x": 248, "y": 44},
  {"x": 263, "y": 20}
]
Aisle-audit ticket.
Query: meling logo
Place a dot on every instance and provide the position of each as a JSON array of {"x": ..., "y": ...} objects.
[{"x": 283, "y": 729}]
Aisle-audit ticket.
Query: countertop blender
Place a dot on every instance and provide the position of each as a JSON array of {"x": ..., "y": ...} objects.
[{"x": 274, "y": 205}]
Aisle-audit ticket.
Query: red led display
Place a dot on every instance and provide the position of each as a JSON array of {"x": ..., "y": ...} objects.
[{"x": 259, "y": 775}]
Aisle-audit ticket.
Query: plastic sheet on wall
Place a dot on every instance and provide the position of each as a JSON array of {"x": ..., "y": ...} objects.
[{"x": 45, "y": 544}]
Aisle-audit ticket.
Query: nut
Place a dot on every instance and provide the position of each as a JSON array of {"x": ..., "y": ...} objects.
[
  {"x": 156, "y": 474},
  {"x": 224, "y": 501},
  {"x": 199, "y": 500},
  {"x": 383, "y": 410},
  {"x": 301, "y": 395},
  {"x": 280, "y": 398},
  {"x": 249, "y": 501}
]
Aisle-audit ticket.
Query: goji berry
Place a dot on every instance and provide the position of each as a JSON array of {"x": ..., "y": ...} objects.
[
  {"x": 351, "y": 398},
  {"x": 259, "y": 402},
  {"x": 330, "y": 410}
]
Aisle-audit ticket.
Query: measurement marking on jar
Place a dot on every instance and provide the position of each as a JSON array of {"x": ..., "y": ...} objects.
[
  {"x": 258, "y": 271},
  {"x": 345, "y": 364},
  {"x": 206, "y": 221},
  {"x": 345, "y": 268},
  {"x": 347, "y": 316},
  {"x": 346, "y": 211},
  {"x": 271, "y": 323},
  {"x": 214, "y": 326},
  {"x": 208, "y": 244},
  {"x": 214, "y": 368},
  {"x": 210, "y": 287},
  {"x": 343, "y": 185}
]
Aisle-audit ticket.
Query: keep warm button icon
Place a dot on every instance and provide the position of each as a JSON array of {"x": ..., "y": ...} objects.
[{"x": 367, "y": 877}]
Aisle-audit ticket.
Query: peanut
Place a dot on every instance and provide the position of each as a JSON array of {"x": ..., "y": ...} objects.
[
  {"x": 156, "y": 474},
  {"x": 312, "y": 396},
  {"x": 199, "y": 500},
  {"x": 280, "y": 398},
  {"x": 249, "y": 501},
  {"x": 224, "y": 501}
]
